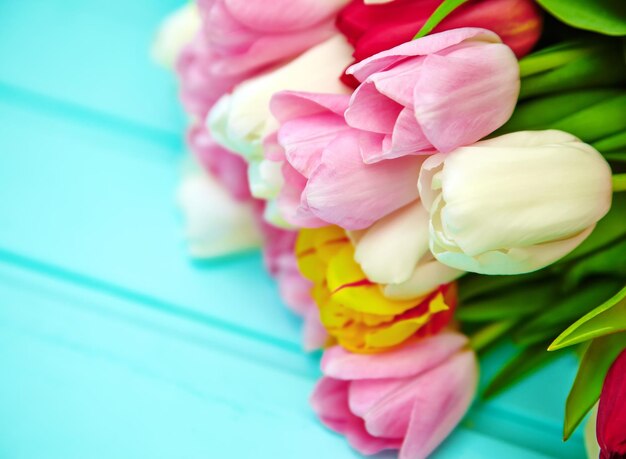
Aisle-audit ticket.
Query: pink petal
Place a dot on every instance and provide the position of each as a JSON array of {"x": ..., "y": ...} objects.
[
  {"x": 370, "y": 110},
  {"x": 408, "y": 360},
  {"x": 407, "y": 137},
  {"x": 281, "y": 16},
  {"x": 442, "y": 397},
  {"x": 466, "y": 94},
  {"x": 398, "y": 82},
  {"x": 287, "y": 105},
  {"x": 330, "y": 401},
  {"x": 305, "y": 138},
  {"x": 346, "y": 192},
  {"x": 421, "y": 47},
  {"x": 290, "y": 201},
  {"x": 365, "y": 393}
]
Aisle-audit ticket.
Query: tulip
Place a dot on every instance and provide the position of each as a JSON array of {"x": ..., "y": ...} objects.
[
  {"x": 325, "y": 178},
  {"x": 611, "y": 425},
  {"x": 435, "y": 93},
  {"x": 216, "y": 224},
  {"x": 375, "y": 28},
  {"x": 241, "y": 120},
  {"x": 240, "y": 39},
  {"x": 175, "y": 32},
  {"x": 353, "y": 309},
  {"x": 409, "y": 399},
  {"x": 515, "y": 203},
  {"x": 394, "y": 251}
]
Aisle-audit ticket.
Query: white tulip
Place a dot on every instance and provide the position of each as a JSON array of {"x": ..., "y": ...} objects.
[
  {"x": 241, "y": 120},
  {"x": 175, "y": 32},
  {"x": 216, "y": 224},
  {"x": 516, "y": 203},
  {"x": 394, "y": 252}
]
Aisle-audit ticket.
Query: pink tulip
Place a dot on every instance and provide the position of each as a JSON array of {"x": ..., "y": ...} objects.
[
  {"x": 437, "y": 93},
  {"x": 240, "y": 39},
  {"x": 326, "y": 180},
  {"x": 230, "y": 170},
  {"x": 408, "y": 399}
]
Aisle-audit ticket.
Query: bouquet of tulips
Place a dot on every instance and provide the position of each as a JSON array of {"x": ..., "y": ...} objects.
[{"x": 426, "y": 178}]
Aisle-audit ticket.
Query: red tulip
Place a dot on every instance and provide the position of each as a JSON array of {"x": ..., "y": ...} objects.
[
  {"x": 611, "y": 426},
  {"x": 376, "y": 27}
]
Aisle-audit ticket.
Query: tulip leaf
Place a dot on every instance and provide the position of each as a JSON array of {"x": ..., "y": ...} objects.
[
  {"x": 603, "y": 66},
  {"x": 523, "y": 364},
  {"x": 609, "y": 317},
  {"x": 616, "y": 142},
  {"x": 610, "y": 261},
  {"x": 443, "y": 10},
  {"x": 590, "y": 377},
  {"x": 603, "y": 16},
  {"x": 616, "y": 157},
  {"x": 475, "y": 285},
  {"x": 590, "y": 115},
  {"x": 546, "y": 324},
  {"x": 609, "y": 229},
  {"x": 522, "y": 300},
  {"x": 619, "y": 182}
]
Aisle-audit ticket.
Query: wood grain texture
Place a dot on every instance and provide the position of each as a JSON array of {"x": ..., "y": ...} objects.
[{"x": 112, "y": 342}]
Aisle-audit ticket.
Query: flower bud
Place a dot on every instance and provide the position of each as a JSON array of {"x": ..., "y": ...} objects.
[{"x": 515, "y": 203}]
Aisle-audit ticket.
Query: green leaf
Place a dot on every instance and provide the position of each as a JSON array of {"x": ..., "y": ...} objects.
[
  {"x": 610, "y": 261},
  {"x": 591, "y": 115},
  {"x": 512, "y": 303},
  {"x": 523, "y": 364},
  {"x": 611, "y": 144},
  {"x": 604, "y": 16},
  {"x": 603, "y": 66},
  {"x": 590, "y": 377},
  {"x": 615, "y": 157},
  {"x": 472, "y": 286},
  {"x": 547, "y": 324},
  {"x": 443, "y": 10},
  {"x": 609, "y": 317},
  {"x": 619, "y": 182}
]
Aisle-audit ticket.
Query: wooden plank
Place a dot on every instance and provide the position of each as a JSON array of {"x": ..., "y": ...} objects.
[
  {"x": 91, "y": 55},
  {"x": 95, "y": 376}
]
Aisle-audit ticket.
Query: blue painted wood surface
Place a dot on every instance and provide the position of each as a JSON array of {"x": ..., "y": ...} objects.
[{"x": 113, "y": 344}]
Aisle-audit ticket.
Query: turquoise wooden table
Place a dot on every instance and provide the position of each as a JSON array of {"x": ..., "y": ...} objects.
[{"x": 113, "y": 344}]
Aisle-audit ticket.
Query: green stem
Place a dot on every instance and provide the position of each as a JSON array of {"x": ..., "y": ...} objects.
[
  {"x": 447, "y": 7},
  {"x": 619, "y": 182},
  {"x": 487, "y": 335}
]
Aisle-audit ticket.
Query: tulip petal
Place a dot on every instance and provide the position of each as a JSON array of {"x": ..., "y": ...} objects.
[
  {"x": 612, "y": 410},
  {"x": 427, "y": 45},
  {"x": 330, "y": 401},
  {"x": 428, "y": 275},
  {"x": 290, "y": 203},
  {"x": 466, "y": 94},
  {"x": 408, "y": 360},
  {"x": 282, "y": 15},
  {"x": 365, "y": 393},
  {"x": 305, "y": 138},
  {"x": 288, "y": 105},
  {"x": 442, "y": 397},
  {"x": 389, "y": 250},
  {"x": 366, "y": 101},
  {"x": 345, "y": 191}
]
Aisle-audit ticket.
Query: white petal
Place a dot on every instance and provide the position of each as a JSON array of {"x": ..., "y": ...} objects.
[
  {"x": 215, "y": 223},
  {"x": 389, "y": 250},
  {"x": 175, "y": 32},
  {"x": 245, "y": 121}
]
